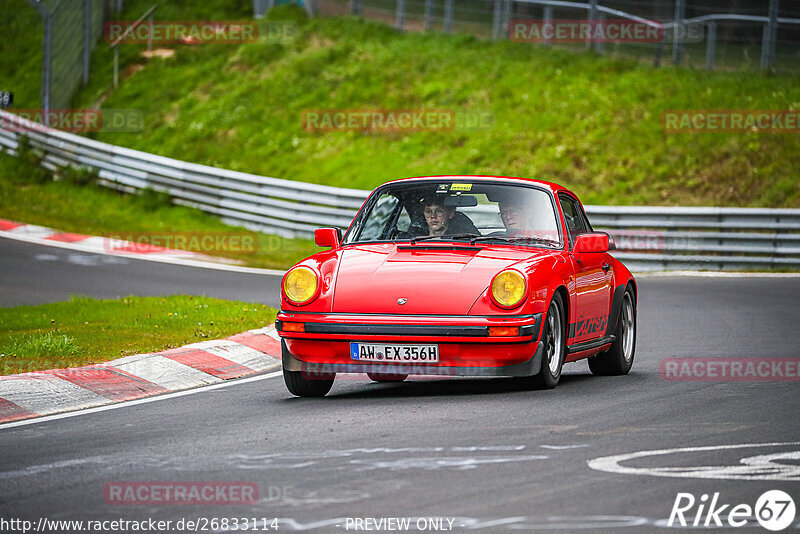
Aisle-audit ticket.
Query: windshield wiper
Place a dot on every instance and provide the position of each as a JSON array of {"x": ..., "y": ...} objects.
[
  {"x": 453, "y": 236},
  {"x": 475, "y": 239},
  {"x": 539, "y": 240},
  {"x": 518, "y": 239}
]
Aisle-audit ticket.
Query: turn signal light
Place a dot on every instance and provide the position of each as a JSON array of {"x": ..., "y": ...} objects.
[
  {"x": 293, "y": 327},
  {"x": 503, "y": 330}
]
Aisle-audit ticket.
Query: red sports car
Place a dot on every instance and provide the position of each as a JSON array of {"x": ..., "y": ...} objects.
[{"x": 458, "y": 275}]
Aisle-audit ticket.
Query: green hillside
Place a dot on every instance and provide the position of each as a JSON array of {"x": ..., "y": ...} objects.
[{"x": 591, "y": 123}]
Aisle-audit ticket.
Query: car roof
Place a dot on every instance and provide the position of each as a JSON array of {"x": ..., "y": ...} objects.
[{"x": 555, "y": 188}]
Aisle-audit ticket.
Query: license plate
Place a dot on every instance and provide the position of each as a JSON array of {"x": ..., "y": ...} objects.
[{"x": 379, "y": 352}]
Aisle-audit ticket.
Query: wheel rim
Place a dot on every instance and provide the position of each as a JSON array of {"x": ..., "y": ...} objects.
[
  {"x": 554, "y": 339},
  {"x": 628, "y": 324}
]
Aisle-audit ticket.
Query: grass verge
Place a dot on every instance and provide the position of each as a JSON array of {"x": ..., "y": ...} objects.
[{"x": 83, "y": 331}]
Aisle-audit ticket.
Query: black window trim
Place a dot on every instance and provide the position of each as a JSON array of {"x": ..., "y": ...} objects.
[
  {"x": 373, "y": 197},
  {"x": 580, "y": 211}
]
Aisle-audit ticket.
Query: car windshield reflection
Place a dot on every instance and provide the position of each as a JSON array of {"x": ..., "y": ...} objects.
[{"x": 476, "y": 212}]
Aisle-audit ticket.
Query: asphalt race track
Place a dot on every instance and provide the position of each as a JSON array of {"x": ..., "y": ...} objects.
[
  {"x": 474, "y": 454},
  {"x": 35, "y": 274}
]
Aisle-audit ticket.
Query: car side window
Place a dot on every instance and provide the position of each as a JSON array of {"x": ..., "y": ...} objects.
[
  {"x": 380, "y": 217},
  {"x": 575, "y": 219}
]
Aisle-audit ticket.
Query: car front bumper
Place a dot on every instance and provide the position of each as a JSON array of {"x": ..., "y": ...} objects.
[{"x": 466, "y": 347}]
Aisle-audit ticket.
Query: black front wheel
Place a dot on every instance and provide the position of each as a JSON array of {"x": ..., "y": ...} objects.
[
  {"x": 554, "y": 350},
  {"x": 303, "y": 384}
]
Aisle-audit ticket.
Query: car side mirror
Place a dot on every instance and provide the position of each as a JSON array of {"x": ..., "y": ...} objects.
[
  {"x": 591, "y": 243},
  {"x": 328, "y": 237}
]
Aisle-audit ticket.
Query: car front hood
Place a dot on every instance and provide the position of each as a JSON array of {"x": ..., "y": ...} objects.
[{"x": 433, "y": 280}]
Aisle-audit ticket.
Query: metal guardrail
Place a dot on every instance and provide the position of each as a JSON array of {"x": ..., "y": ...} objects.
[
  {"x": 648, "y": 238},
  {"x": 499, "y": 13},
  {"x": 279, "y": 206}
]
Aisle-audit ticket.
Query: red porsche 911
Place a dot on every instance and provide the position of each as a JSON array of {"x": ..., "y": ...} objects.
[{"x": 458, "y": 276}]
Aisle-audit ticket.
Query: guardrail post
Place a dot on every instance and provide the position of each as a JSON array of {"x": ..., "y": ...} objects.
[
  {"x": 677, "y": 45},
  {"x": 770, "y": 37},
  {"x": 355, "y": 7},
  {"x": 548, "y": 19},
  {"x": 711, "y": 44},
  {"x": 116, "y": 66},
  {"x": 764, "y": 45},
  {"x": 659, "y": 53},
  {"x": 401, "y": 12},
  {"x": 592, "y": 19},
  {"x": 428, "y": 14},
  {"x": 87, "y": 38},
  {"x": 47, "y": 65},
  {"x": 448, "y": 16},
  {"x": 507, "y": 14},
  {"x": 599, "y": 46},
  {"x": 496, "y": 19},
  {"x": 150, "y": 33}
]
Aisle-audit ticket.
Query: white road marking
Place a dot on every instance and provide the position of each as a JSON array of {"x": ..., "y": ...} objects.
[
  {"x": 516, "y": 523},
  {"x": 460, "y": 463},
  {"x": 762, "y": 467},
  {"x": 47, "y": 257},
  {"x": 202, "y": 389}
]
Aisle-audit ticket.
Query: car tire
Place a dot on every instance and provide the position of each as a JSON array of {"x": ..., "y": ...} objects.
[
  {"x": 383, "y": 377},
  {"x": 303, "y": 385},
  {"x": 554, "y": 351},
  {"x": 618, "y": 359}
]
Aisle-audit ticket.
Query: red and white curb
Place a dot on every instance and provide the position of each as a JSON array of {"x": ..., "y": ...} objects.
[
  {"x": 106, "y": 245},
  {"x": 41, "y": 393}
]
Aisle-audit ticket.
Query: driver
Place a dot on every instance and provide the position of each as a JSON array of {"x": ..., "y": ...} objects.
[{"x": 516, "y": 217}]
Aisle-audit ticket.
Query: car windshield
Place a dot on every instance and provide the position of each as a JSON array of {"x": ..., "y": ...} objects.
[{"x": 474, "y": 212}]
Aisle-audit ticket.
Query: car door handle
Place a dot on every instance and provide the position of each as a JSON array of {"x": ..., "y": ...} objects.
[{"x": 606, "y": 267}]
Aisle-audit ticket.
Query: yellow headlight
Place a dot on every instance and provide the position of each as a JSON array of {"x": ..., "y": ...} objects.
[
  {"x": 300, "y": 285},
  {"x": 508, "y": 288}
]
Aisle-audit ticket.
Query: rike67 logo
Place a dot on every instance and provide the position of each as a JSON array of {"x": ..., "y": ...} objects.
[{"x": 774, "y": 510}]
